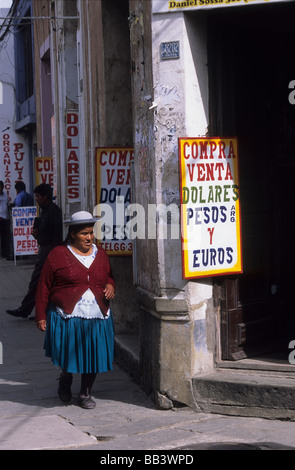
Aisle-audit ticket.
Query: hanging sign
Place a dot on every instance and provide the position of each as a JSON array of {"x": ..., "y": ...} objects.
[
  {"x": 22, "y": 223},
  {"x": 14, "y": 162},
  {"x": 113, "y": 196},
  {"x": 210, "y": 209},
  {"x": 163, "y": 6}
]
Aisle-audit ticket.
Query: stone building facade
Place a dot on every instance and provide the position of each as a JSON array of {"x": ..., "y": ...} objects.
[{"x": 140, "y": 74}]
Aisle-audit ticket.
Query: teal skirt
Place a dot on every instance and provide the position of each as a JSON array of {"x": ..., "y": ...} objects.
[{"x": 79, "y": 345}]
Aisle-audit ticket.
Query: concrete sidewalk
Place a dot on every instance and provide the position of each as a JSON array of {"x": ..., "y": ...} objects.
[{"x": 125, "y": 419}]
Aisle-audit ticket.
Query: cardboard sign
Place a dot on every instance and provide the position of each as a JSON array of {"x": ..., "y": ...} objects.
[
  {"x": 14, "y": 163},
  {"x": 210, "y": 209},
  {"x": 113, "y": 196},
  {"x": 44, "y": 170},
  {"x": 22, "y": 222}
]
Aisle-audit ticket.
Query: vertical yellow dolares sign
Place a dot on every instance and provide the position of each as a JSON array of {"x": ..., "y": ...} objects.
[{"x": 210, "y": 207}]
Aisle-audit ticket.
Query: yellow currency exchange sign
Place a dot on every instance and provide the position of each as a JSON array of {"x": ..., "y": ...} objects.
[{"x": 210, "y": 209}]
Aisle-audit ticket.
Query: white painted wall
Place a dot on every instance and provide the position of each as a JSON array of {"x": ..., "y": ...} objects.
[
  {"x": 181, "y": 109},
  {"x": 14, "y": 150}
]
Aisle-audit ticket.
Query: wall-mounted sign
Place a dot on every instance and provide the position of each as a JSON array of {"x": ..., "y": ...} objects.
[
  {"x": 162, "y": 6},
  {"x": 169, "y": 50},
  {"x": 73, "y": 158},
  {"x": 44, "y": 170},
  {"x": 14, "y": 162},
  {"x": 113, "y": 196},
  {"x": 22, "y": 223},
  {"x": 210, "y": 209}
]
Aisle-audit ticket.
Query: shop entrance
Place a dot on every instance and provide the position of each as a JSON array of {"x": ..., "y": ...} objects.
[{"x": 251, "y": 63}]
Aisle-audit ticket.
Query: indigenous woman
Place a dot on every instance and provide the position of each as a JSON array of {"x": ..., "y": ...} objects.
[{"x": 72, "y": 308}]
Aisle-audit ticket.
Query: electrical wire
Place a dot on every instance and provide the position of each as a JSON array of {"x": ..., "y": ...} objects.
[
  {"x": 12, "y": 19},
  {"x": 8, "y": 20}
]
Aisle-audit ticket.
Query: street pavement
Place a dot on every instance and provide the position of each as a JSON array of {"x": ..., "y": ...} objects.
[{"x": 125, "y": 419}]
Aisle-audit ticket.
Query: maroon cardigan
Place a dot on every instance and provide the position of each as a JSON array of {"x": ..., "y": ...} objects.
[{"x": 64, "y": 279}]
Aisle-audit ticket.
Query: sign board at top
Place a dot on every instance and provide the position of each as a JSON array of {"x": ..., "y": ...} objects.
[{"x": 163, "y": 6}]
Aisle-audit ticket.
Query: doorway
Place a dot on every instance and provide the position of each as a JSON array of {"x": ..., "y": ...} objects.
[{"x": 251, "y": 51}]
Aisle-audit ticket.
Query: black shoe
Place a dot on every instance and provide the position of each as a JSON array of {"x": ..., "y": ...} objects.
[
  {"x": 86, "y": 402},
  {"x": 18, "y": 312},
  {"x": 64, "y": 387}
]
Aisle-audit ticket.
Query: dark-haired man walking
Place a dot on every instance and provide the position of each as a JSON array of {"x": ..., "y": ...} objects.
[{"x": 47, "y": 231}]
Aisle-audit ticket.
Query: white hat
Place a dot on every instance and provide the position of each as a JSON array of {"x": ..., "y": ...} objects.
[{"x": 81, "y": 218}]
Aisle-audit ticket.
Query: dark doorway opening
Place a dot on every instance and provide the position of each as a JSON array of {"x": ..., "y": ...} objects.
[{"x": 251, "y": 63}]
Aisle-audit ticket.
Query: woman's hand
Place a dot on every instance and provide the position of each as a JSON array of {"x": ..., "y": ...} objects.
[
  {"x": 109, "y": 291},
  {"x": 41, "y": 325}
]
